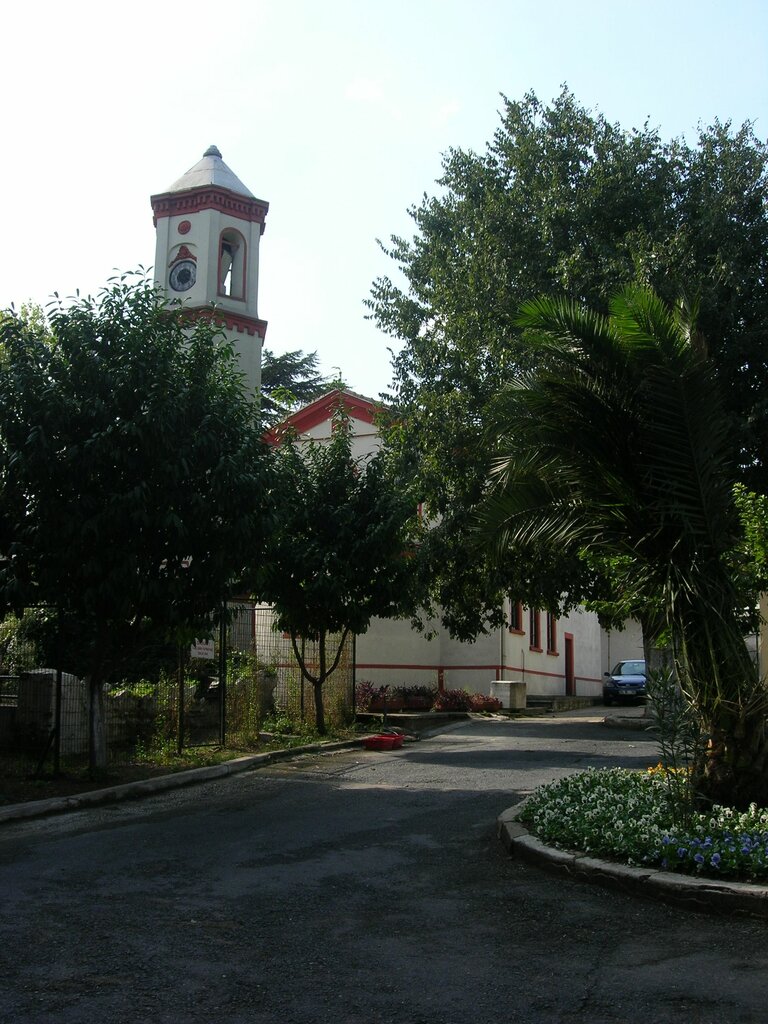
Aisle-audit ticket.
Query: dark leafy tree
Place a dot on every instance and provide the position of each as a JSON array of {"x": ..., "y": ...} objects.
[
  {"x": 562, "y": 201},
  {"x": 340, "y": 552},
  {"x": 288, "y": 381},
  {"x": 617, "y": 443},
  {"x": 133, "y": 476}
]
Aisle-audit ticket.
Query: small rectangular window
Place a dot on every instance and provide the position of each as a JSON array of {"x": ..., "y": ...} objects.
[
  {"x": 515, "y": 616},
  {"x": 551, "y": 634},
  {"x": 534, "y": 629}
]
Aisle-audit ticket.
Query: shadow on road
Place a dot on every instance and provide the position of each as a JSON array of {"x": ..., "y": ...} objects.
[
  {"x": 557, "y": 729},
  {"x": 507, "y": 758}
]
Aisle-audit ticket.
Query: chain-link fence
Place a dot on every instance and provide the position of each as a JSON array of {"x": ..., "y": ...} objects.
[
  {"x": 293, "y": 696},
  {"x": 223, "y": 693}
]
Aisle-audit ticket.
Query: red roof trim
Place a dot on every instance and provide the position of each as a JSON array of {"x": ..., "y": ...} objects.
[{"x": 322, "y": 410}]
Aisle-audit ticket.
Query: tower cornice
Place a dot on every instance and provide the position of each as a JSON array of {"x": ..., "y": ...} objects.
[
  {"x": 225, "y": 318},
  {"x": 212, "y": 197}
]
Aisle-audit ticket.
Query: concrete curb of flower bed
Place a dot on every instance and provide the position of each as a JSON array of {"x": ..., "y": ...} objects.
[
  {"x": 161, "y": 783},
  {"x": 639, "y": 723},
  {"x": 707, "y": 894}
]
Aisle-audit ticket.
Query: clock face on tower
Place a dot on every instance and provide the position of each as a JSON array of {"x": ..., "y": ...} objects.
[{"x": 182, "y": 275}]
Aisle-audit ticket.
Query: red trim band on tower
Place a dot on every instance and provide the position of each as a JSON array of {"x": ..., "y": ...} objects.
[
  {"x": 233, "y": 321},
  {"x": 171, "y": 204}
]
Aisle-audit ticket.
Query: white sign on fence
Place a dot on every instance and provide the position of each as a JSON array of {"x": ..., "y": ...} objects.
[{"x": 202, "y": 649}]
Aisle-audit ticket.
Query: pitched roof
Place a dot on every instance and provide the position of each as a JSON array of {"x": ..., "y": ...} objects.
[
  {"x": 210, "y": 170},
  {"x": 322, "y": 409}
]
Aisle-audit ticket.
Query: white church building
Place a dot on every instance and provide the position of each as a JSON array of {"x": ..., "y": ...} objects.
[
  {"x": 209, "y": 225},
  {"x": 554, "y": 656}
]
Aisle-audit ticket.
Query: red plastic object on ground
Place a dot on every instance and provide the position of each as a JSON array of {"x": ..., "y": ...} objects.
[{"x": 383, "y": 742}]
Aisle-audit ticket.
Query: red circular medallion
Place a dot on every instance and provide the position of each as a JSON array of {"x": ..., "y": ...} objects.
[{"x": 184, "y": 227}]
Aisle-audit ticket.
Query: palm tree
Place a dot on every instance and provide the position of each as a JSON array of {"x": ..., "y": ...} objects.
[{"x": 616, "y": 445}]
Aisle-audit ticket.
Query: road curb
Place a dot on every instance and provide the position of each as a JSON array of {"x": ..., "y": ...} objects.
[
  {"x": 695, "y": 893},
  {"x": 638, "y": 724},
  {"x": 162, "y": 783},
  {"x": 176, "y": 780}
]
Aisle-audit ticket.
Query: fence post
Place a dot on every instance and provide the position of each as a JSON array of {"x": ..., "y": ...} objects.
[
  {"x": 354, "y": 675},
  {"x": 301, "y": 677},
  {"x": 180, "y": 724},
  {"x": 57, "y": 722},
  {"x": 223, "y": 677}
]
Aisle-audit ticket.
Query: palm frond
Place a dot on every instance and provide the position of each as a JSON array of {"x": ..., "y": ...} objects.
[{"x": 616, "y": 441}]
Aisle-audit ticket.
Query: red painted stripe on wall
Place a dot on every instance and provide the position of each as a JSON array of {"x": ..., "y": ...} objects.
[{"x": 472, "y": 668}]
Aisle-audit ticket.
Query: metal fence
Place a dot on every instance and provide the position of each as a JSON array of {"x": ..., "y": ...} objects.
[
  {"x": 293, "y": 696},
  {"x": 247, "y": 682}
]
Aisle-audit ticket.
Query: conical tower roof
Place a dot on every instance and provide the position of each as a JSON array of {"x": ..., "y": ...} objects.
[{"x": 210, "y": 170}]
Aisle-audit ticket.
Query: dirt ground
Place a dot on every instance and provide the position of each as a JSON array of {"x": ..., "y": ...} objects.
[
  {"x": 18, "y": 783},
  {"x": 17, "y": 788}
]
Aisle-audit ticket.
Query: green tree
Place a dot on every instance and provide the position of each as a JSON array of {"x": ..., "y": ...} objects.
[
  {"x": 133, "y": 476},
  {"x": 562, "y": 202},
  {"x": 288, "y": 381},
  {"x": 339, "y": 553},
  {"x": 617, "y": 443}
]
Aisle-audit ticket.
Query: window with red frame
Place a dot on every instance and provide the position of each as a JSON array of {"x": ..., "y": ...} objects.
[
  {"x": 534, "y": 629},
  {"x": 516, "y": 617},
  {"x": 551, "y": 634}
]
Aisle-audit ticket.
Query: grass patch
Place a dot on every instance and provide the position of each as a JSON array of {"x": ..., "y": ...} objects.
[
  {"x": 17, "y": 785},
  {"x": 627, "y": 816}
]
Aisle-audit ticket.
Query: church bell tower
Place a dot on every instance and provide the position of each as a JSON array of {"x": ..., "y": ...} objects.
[{"x": 207, "y": 254}]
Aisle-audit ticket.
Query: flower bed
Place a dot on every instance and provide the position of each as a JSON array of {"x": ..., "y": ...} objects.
[{"x": 627, "y": 816}]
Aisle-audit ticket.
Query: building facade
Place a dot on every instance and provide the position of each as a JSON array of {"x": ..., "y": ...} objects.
[{"x": 554, "y": 656}]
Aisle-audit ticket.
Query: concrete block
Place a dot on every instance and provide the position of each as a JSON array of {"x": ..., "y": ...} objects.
[{"x": 511, "y": 693}]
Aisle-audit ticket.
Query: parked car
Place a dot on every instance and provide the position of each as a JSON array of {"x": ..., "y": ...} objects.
[{"x": 626, "y": 682}]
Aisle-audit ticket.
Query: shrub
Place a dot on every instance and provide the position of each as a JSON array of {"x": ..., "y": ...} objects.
[
  {"x": 482, "y": 702},
  {"x": 365, "y": 692},
  {"x": 453, "y": 700},
  {"x": 429, "y": 692}
]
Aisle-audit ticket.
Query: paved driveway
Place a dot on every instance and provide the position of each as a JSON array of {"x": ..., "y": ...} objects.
[{"x": 355, "y": 888}]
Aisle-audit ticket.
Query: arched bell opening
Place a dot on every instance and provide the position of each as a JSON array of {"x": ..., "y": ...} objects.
[{"x": 232, "y": 264}]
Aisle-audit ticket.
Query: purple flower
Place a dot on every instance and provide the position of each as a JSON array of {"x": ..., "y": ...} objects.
[
  {"x": 699, "y": 858},
  {"x": 714, "y": 860},
  {"x": 681, "y": 852}
]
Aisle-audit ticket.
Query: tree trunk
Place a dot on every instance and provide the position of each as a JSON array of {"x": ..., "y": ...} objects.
[
  {"x": 325, "y": 670},
  {"x": 319, "y": 708},
  {"x": 721, "y": 681},
  {"x": 734, "y": 768},
  {"x": 97, "y": 727},
  {"x": 318, "y": 685},
  {"x": 656, "y": 658},
  {"x": 97, "y": 723}
]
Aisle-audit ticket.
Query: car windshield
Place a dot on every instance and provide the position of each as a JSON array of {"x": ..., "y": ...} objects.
[{"x": 629, "y": 668}]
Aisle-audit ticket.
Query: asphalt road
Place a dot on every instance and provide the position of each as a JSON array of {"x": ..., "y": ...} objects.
[{"x": 355, "y": 888}]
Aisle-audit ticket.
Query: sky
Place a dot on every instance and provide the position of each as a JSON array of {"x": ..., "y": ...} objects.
[{"x": 336, "y": 113}]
